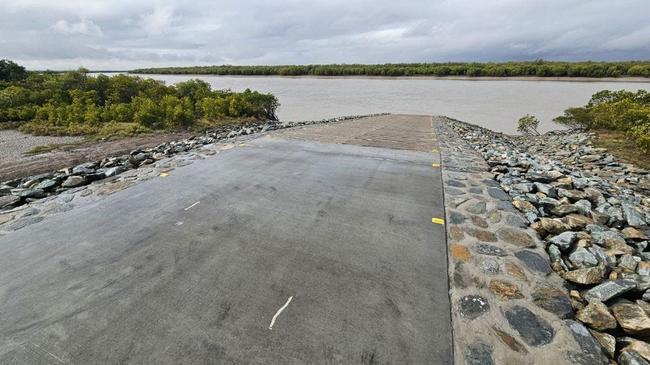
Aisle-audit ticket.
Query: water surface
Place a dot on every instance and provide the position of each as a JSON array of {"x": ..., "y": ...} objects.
[{"x": 496, "y": 104}]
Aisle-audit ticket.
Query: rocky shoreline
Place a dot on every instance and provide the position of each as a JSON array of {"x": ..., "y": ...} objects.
[
  {"x": 17, "y": 192},
  {"x": 593, "y": 214}
]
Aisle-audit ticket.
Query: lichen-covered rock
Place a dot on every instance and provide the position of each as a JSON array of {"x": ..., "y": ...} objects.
[
  {"x": 504, "y": 289},
  {"x": 482, "y": 235},
  {"x": 516, "y": 237},
  {"x": 585, "y": 276},
  {"x": 643, "y": 268},
  {"x": 550, "y": 226},
  {"x": 455, "y": 217},
  {"x": 553, "y": 300},
  {"x": 473, "y": 306},
  {"x": 74, "y": 181},
  {"x": 47, "y": 184},
  {"x": 630, "y": 233},
  {"x": 633, "y": 216},
  {"x": 609, "y": 289},
  {"x": 489, "y": 265},
  {"x": 460, "y": 252},
  {"x": 632, "y": 318},
  {"x": 642, "y": 283},
  {"x": 590, "y": 350},
  {"x": 474, "y": 206},
  {"x": 564, "y": 240},
  {"x": 524, "y": 206},
  {"x": 532, "y": 329},
  {"x": 510, "y": 341},
  {"x": 631, "y": 358},
  {"x": 577, "y": 221},
  {"x": 478, "y": 354},
  {"x": 582, "y": 258},
  {"x": 584, "y": 207},
  {"x": 628, "y": 262},
  {"x": 640, "y": 347},
  {"x": 604, "y": 257},
  {"x": 573, "y": 195},
  {"x": 563, "y": 209},
  {"x": 534, "y": 261},
  {"x": 597, "y": 316},
  {"x": 497, "y": 193},
  {"x": 607, "y": 342},
  {"x": 486, "y": 249},
  {"x": 544, "y": 176},
  {"x": 515, "y": 271},
  {"x": 8, "y": 200}
]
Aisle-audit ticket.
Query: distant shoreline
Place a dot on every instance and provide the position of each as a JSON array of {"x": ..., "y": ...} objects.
[
  {"x": 463, "y": 78},
  {"x": 526, "y": 70}
]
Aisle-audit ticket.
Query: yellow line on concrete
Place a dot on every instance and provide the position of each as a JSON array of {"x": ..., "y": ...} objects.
[{"x": 437, "y": 220}]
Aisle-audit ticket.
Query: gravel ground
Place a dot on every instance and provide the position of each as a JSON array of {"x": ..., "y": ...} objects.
[{"x": 13, "y": 144}]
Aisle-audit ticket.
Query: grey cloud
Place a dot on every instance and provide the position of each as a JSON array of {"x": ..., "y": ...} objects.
[
  {"x": 83, "y": 27},
  {"x": 128, "y": 34}
]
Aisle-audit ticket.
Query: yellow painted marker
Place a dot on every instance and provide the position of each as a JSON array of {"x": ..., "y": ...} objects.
[
  {"x": 437, "y": 220},
  {"x": 164, "y": 174},
  {"x": 435, "y": 165},
  {"x": 434, "y": 151}
]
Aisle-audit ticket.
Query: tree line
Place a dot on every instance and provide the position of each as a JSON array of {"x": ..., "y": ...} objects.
[
  {"x": 623, "y": 111},
  {"x": 75, "y": 103},
  {"x": 537, "y": 68}
]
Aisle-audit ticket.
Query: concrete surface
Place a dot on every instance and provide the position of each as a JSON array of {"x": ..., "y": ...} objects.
[
  {"x": 396, "y": 131},
  {"x": 192, "y": 268}
]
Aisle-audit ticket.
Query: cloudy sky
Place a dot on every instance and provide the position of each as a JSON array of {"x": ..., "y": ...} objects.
[{"x": 121, "y": 34}]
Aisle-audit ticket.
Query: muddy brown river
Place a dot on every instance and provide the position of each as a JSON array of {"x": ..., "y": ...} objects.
[{"x": 496, "y": 104}]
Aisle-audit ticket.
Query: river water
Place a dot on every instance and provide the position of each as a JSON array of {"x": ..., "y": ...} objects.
[{"x": 495, "y": 104}]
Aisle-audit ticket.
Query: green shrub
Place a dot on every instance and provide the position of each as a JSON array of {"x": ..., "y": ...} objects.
[
  {"x": 639, "y": 70},
  {"x": 10, "y": 71},
  {"x": 528, "y": 125},
  {"x": 194, "y": 89},
  {"x": 622, "y": 111},
  {"x": 76, "y": 103},
  {"x": 213, "y": 108},
  {"x": 641, "y": 136}
]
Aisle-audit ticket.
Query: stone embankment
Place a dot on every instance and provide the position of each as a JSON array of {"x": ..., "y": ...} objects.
[
  {"x": 17, "y": 192},
  {"x": 585, "y": 212}
]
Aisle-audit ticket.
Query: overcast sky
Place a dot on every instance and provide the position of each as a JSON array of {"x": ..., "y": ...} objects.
[{"x": 121, "y": 34}]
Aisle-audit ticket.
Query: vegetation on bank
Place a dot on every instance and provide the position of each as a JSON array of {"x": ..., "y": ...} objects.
[
  {"x": 538, "y": 68},
  {"x": 528, "y": 125},
  {"x": 618, "y": 143},
  {"x": 621, "y": 111},
  {"x": 11, "y": 71},
  {"x": 74, "y": 103}
]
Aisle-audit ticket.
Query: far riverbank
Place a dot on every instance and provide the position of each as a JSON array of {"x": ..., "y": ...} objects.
[{"x": 464, "y": 78}]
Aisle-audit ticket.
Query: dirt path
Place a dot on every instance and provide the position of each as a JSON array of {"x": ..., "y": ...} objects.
[{"x": 13, "y": 146}]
